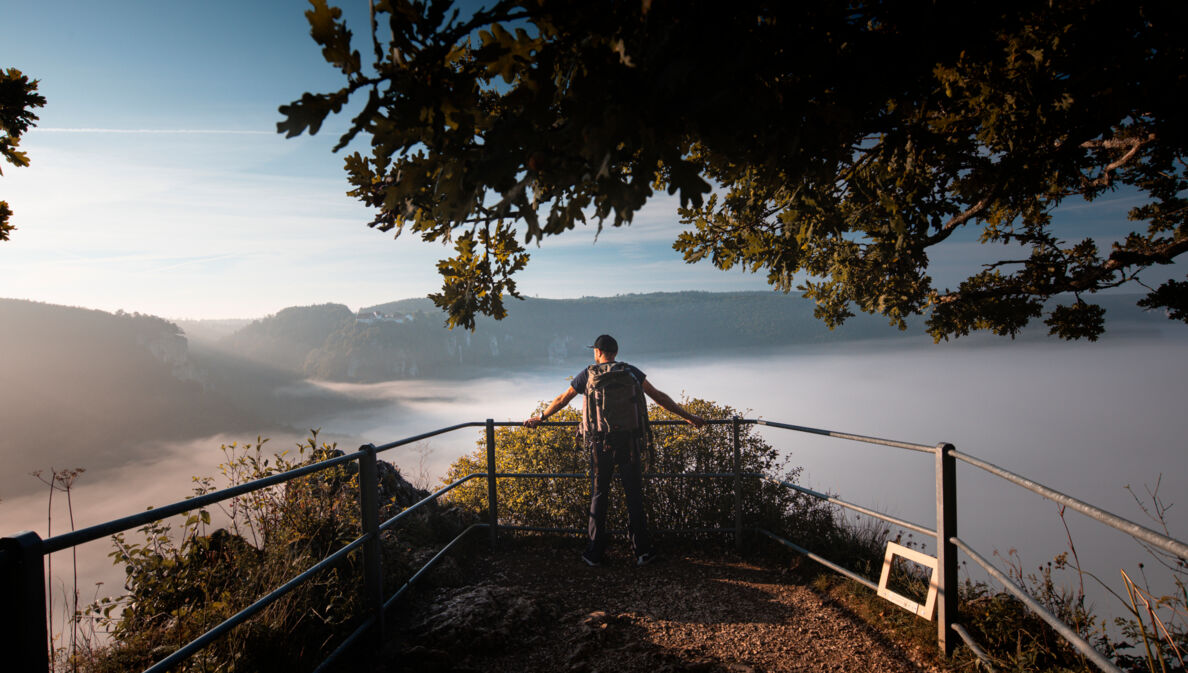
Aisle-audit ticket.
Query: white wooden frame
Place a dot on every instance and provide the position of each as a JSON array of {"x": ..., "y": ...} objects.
[{"x": 926, "y": 611}]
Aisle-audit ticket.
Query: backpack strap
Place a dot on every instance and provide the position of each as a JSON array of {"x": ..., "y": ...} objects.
[{"x": 589, "y": 425}]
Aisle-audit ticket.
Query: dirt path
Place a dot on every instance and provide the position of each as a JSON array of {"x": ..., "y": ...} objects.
[{"x": 535, "y": 606}]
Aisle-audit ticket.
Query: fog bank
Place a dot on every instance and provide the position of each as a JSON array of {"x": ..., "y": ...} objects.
[{"x": 1085, "y": 418}]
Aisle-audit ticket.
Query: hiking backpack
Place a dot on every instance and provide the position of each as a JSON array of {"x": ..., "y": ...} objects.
[{"x": 614, "y": 402}]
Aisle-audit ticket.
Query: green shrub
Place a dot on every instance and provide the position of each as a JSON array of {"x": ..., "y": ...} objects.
[
  {"x": 183, "y": 579},
  {"x": 671, "y": 503},
  {"x": 1020, "y": 640}
]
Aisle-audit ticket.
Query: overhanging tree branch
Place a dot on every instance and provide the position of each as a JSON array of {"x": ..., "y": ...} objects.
[
  {"x": 846, "y": 143},
  {"x": 1132, "y": 146},
  {"x": 956, "y": 221}
]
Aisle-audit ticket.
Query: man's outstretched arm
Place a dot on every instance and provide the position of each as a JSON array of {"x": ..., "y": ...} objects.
[
  {"x": 556, "y": 405},
  {"x": 668, "y": 403}
]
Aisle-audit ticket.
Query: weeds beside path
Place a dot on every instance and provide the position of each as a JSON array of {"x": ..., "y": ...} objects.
[{"x": 534, "y": 606}]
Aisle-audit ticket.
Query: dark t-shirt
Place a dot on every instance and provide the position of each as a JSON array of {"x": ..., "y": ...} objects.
[{"x": 579, "y": 382}]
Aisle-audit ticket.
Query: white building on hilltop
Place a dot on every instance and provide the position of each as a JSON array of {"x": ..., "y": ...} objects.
[{"x": 372, "y": 317}]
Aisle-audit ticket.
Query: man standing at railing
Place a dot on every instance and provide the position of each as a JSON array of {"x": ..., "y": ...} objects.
[{"x": 614, "y": 428}]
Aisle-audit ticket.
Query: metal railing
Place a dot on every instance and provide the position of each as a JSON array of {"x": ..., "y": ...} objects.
[
  {"x": 23, "y": 629},
  {"x": 948, "y": 543},
  {"x": 23, "y": 623}
]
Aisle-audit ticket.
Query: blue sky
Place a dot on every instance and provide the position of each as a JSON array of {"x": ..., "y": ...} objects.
[{"x": 158, "y": 183}]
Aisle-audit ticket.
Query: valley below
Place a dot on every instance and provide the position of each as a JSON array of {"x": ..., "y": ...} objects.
[{"x": 1090, "y": 419}]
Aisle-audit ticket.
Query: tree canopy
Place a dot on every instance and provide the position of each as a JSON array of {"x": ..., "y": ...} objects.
[
  {"x": 18, "y": 97},
  {"x": 831, "y": 146}
]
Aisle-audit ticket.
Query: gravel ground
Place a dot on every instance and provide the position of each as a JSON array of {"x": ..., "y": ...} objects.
[{"x": 535, "y": 606}]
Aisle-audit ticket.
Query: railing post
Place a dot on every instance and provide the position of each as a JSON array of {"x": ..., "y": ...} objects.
[
  {"x": 23, "y": 635},
  {"x": 492, "y": 498},
  {"x": 946, "y": 551},
  {"x": 738, "y": 517},
  {"x": 373, "y": 577}
]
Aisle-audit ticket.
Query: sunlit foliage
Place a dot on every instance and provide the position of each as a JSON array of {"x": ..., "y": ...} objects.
[
  {"x": 671, "y": 503},
  {"x": 182, "y": 578},
  {"x": 18, "y": 99}
]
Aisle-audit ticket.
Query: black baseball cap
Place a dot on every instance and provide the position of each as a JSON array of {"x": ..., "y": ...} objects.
[{"x": 606, "y": 343}]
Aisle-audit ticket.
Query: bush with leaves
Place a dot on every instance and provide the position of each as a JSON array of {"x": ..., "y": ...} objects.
[
  {"x": 1017, "y": 638},
  {"x": 182, "y": 580},
  {"x": 1151, "y": 636},
  {"x": 686, "y": 502}
]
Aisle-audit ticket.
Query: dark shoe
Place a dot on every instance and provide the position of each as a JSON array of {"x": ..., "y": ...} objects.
[
  {"x": 646, "y": 558},
  {"x": 590, "y": 562}
]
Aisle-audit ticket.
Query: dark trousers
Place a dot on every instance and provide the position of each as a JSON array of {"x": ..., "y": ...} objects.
[{"x": 622, "y": 452}]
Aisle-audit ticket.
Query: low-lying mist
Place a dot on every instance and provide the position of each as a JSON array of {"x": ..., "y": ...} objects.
[{"x": 1089, "y": 419}]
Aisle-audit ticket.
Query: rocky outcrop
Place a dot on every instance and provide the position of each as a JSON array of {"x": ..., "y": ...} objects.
[
  {"x": 368, "y": 362},
  {"x": 394, "y": 489},
  {"x": 486, "y": 617},
  {"x": 395, "y": 492},
  {"x": 171, "y": 348}
]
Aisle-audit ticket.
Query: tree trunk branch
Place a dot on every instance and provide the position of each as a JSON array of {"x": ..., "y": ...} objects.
[
  {"x": 1107, "y": 173},
  {"x": 1090, "y": 280},
  {"x": 956, "y": 221}
]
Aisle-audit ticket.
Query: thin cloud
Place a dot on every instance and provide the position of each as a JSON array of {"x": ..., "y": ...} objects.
[
  {"x": 205, "y": 259},
  {"x": 161, "y": 131}
]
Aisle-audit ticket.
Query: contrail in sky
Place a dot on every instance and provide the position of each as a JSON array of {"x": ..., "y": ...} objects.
[{"x": 164, "y": 131}]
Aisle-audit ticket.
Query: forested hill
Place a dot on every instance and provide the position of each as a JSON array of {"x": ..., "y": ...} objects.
[
  {"x": 330, "y": 342},
  {"x": 286, "y": 339},
  {"x": 96, "y": 389}
]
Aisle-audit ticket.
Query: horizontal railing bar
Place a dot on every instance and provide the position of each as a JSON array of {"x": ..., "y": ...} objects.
[
  {"x": 417, "y": 575},
  {"x": 646, "y": 475},
  {"x": 345, "y": 645},
  {"x": 95, "y": 532},
  {"x": 583, "y": 531},
  {"x": 974, "y": 647},
  {"x": 1167, "y": 544},
  {"x": 540, "y": 529},
  {"x": 509, "y": 475},
  {"x": 570, "y": 424},
  {"x": 409, "y": 510},
  {"x": 111, "y": 527},
  {"x": 427, "y": 435},
  {"x": 681, "y": 475},
  {"x": 550, "y": 475},
  {"x": 126, "y": 523},
  {"x": 1055, "y": 622},
  {"x": 857, "y": 438},
  {"x": 857, "y": 508},
  {"x": 820, "y": 559},
  {"x": 246, "y": 613}
]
